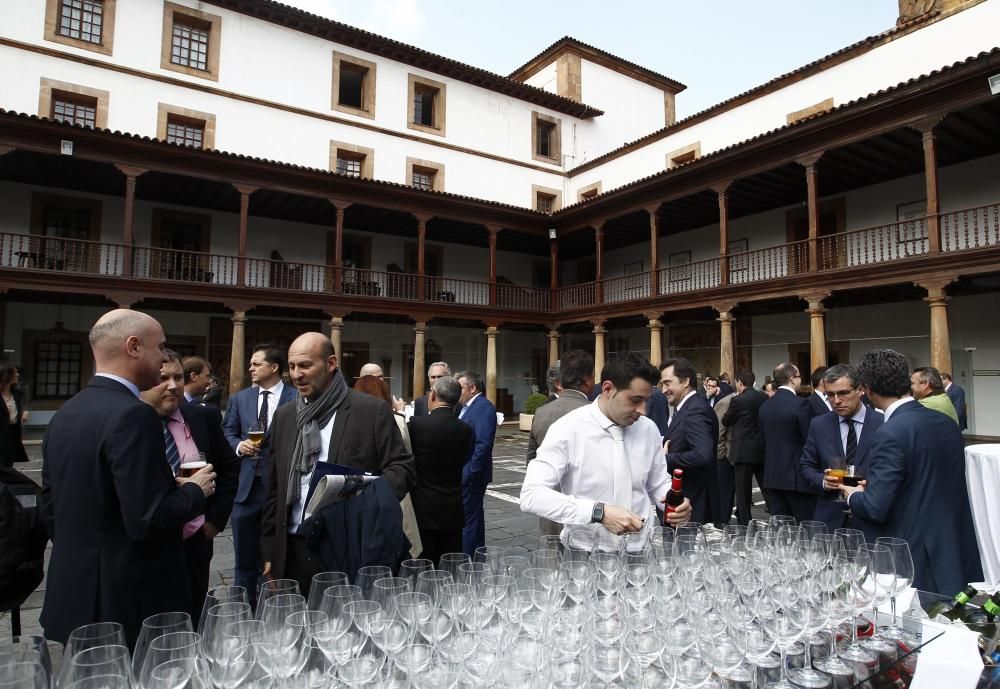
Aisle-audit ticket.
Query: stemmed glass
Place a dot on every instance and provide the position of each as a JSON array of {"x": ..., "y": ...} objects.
[
  {"x": 274, "y": 587},
  {"x": 411, "y": 569},
  {"x": 385, "y": 591},
  {"x": 231, "y": 654},
  {"x": 217, "y": 595},
  {"x": 29, "y": 648},
  {"x": 320, "y": 583},
  {"x": 96, "y": 634},
  {"x": 97, "y": 661},
  {"x": 167, "y": 647},
  {"x": 609, "y": 662},
  {"x": 23, "y": 675},
  {"x": 154, "y": 627},
  {"x": 450, "y": 561},
  {"x": 182, "y": 673},
  {"x": 843, "y": 577},
  {"x": 786, "y": 622},
  {"x": 367, "y": 576},
  {"x": 334, "y": 600},
  {"x": 491, "y": 555},
  {"x": 819, "y": 602},
  {"x": 903, "y": 562}
]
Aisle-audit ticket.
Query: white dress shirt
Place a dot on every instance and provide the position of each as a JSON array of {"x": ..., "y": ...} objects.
[
  {"x": 684, "y": 399},
  {"x": 300, "y": 505},
  {"x": 572, "y": 470},
  {"x": 825, "y": 400},
  {"x": 132, "y": 387},
  {"x": 896, "y": 405},
  {"x": 468, "y": 404},
  {"x": 272, "y": 400},
  {"x": 859, "y": 420}
]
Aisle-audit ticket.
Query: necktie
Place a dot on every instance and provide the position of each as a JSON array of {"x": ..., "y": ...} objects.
[
  {"x": 262, "y": 417},
  {"x": 620, "y": 469},
  {"x": 852, "y": 441},
  {"x": 173, "y": 456}
]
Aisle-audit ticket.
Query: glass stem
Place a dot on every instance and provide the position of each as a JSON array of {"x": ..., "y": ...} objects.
[
  {"x": 892, "y": 603},
  {"x": 784, "y": 663},
  {"x": 807, "y": 661},
  {"x": 875, "y": 621},
  {"x": 854, "y": 631}
]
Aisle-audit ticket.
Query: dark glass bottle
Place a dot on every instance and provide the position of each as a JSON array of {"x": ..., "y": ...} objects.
[
  {"x": 675, "y": 496},
  {"x": 955, "y": 608}
]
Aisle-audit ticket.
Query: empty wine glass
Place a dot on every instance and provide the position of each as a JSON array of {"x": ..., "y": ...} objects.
[
  {"x": 29, "y": 648},
  {"x": 97, "y": 661},
  {"x": 450, "y": 562},
  {"x": 169, "y": 647},
  {"x": 221, "y": 594},
  {"x": 367, "y": 576},
  {"x": 274, "y": 587},
  {"x": 491, "y": 556},
  {"x": 183, "y": 673},
  {"x": 90, "y": 635},
  {"x": 320, "y": 583},
  {"x": 231, "y": 655},
  {"x": 102, "y": 682},
  {"x": 385, "y": 591},
  {"x": 903, "y": 562},
  {"x": 334, "y": 600},
  {"x": 431, "y": 581},
  {"x": 23, "y": 675},
  {"x": 156, "y": 626}
]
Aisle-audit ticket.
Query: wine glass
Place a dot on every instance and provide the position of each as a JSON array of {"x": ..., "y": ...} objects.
[
  {"x": 787, "y": 622},
  {"x": 96, "y": 661},
  {"x": 903, "y": 562},
  {"x": 410, "y": 569},
  {"x": 96, "y": 634},
  {"x": 820, "y": 604},
  {"x": 221, "y": 594},
  {"x": 838, "y": 470},
  {"x": 168, "y": 647},
  {"x": 385, "y": 591},
  {"x": 320, "y": 583},
  {"x": 156, "y": 626},
  {"x": 450, "y": 562},
  {"x": 101, "y": 682},
  {"x": 182, "y": 673},
  {"x": 274, "y": 587},
  {"x": 609, "y": 662},
  {"x": 842, "y": 578},
  {"x": 334, "y": 600},
  {"x": 431, "y": 581},
  {"x": 231, "y": 655},
  {"x": 367, "y": 576},
  {"x": 29, "y": 648},
  {"x": 19, "y": 674}
]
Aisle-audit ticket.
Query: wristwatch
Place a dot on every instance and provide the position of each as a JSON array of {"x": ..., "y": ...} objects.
[{"x": 597, "y": 516}]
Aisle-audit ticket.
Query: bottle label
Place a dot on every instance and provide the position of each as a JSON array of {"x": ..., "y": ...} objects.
[
  {"x": 991, "y": 607},
  {"x": 961, "y": 598}
]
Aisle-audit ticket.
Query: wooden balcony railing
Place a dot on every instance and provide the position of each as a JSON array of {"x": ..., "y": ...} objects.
[
  {"x": 689, "y": 277},
  {"x": 454, "y": 291},
  {"x": 65, "y": 255},
  {"x": 575, "y": 296},
  {"x": 972, "y": 228},
  {"x": 183, "y": 266},
  {"x": 524, "y": 298}
]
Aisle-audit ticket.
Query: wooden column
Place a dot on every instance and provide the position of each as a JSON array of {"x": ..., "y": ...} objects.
[
  {"x": 599, "y": 332},
  {"x": 599, "y": 262},
  {"x": 809, "y": 162},
  {"x": 491, "y": 363},
  {"x": 817, "y": 330},
  {"x": 338, "y": 246},
  {"x": 553, "y": 345},
  {"x": 241, "y": 265},
  {"x": 654, "y": 249},
  {"x": 493, "y": 230},
  {"x": 128, "y": 221},
  {"x": 336, "y": 326},
  {"x": 237, "y": 364},
  {"x": 655, "y": 338},
  {"x": 727, "y": 348},
  {"x": 422, "y": 220},
  {"x": 929, "y": 138},
  {"x": 419, "y": 369},
  {"x": 937, "y": 299},
  {"x": 723, "y": 191},
  {"x": 554, "y": 273}
]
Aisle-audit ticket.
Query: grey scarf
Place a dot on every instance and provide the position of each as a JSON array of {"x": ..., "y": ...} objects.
[{"x": 309, "y": 418}]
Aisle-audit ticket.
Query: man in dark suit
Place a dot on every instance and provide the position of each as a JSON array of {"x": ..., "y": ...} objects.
[
  {"x": 746, "y": 443},
  {"x": 818, "y": 404},
  {"x": 847, "y": 433},
  {"x": 691, "y": 438},
  {"x": 576, "y": 373},
  {"x": 327, "y": 423},
  {"x": 440, "y": 445},
  {"x": 197, "y": 378},
  {"x": 195, "y": 430},
  {"x": 254, "y": 406},
  {"x": 957, "y": 395},
  {"x": 113, "y": 509},
  {"x": 478, "y": 412},
  {"x": 915, "y": 488},
  {"x": 784, "y": 421},
  {"x": 438, "y": 369},
  {"x": 725, "y": 387},
  {"x": 711, "y": 385}
]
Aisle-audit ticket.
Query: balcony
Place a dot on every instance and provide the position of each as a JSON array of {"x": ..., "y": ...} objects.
[{"x": 960, "y": 231}]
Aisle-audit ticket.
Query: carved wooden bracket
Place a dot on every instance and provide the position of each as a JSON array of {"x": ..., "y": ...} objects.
[
  {"x": 724, "y": 307},
  {"x": 338, "y": 316},
  {"x": 130, "y": 170},
  {"x": 340, "y": 204},
  {"x": 926, "y": 125},
  {"x": 493, "y": 229},
  {"x": 722, "y": 187},
  {"x": 653, "y": 208},
  {"x": 936, "y": 285},
  {"x": 423, "y": 217},
  {"x": 124, "y": 300},
  {"x": 238, "y": 307},
  {"x": 810, "y": 159},
  {"x": 245, "y": 189}
]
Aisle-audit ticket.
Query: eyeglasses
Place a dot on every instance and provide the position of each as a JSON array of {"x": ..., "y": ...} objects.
[{"x": 841, "y": 394}]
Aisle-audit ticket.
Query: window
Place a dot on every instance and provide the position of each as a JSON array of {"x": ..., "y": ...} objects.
[
  {"x": 545, "y": 199},
  {"x": 179, "y": 245},
  {"x": 78, "y": 110},
  {"x": 65, "y": 228},
  {"x": 353, "y": 85},
  {"x": 87, "y": 24},
  {"x": 588, "y": 192},
  {"x": 684, "y": 155},
  {"x": 348, "y": 164},
  {"x": 545, "y": 138},
  {"x": 57, "y": 369},
  {"x": 190, "y": 41},
  {"x": 426, "y": 105},
  {"x": 185, "y": 127},
  {"x": 424, "y": 174},
  {"x": 351, "y": 159}
]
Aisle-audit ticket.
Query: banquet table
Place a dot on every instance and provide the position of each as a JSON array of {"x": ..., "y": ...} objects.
[{"x": 982, "y": 476}]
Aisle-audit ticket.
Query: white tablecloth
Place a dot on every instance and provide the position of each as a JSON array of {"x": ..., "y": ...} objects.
[{"x": 982, "y": 475}]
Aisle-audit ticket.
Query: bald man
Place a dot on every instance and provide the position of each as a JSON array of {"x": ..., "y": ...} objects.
[
  {"x": 110, "y": 501},
  {"x": 341, "y": 426}
]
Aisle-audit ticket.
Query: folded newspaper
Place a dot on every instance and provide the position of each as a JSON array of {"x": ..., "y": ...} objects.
[{"x": 334, "y": 488}]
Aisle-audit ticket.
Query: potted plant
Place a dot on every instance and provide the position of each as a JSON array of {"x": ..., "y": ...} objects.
[{"x": 531, "y": 405}]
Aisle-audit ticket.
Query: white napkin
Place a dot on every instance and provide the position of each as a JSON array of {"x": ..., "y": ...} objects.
[{"x": 951, "y": 660}]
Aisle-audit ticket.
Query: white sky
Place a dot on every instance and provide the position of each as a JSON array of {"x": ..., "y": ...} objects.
[{"x": 718, "y": 48}]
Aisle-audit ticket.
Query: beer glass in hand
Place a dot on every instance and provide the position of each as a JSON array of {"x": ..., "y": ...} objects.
[
  {"x": 838, "y": 470},
  {"x": 191, "y": 463},
  {"x": 255, "y": 434}
]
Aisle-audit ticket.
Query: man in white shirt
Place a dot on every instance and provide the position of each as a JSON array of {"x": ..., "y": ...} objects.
[{"x": 602, "y": 465}]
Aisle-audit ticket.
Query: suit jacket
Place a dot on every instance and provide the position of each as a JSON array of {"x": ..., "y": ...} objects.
[
  {"x": 725, "y": 441},
  {"x": 440, "y": 445},
  {"x": 916, "y": 491},
  {"x": 693, "y": 436},
  {"x": 241, "y": 414},
  {"x": 420, "y": 406},
  {"x": 725, "y": 389},
  {"x": 658, "y": 410},
  {"x": 784, "y": 422},
  {"x": 482, "y": 416},
  {"x": 746, "y": 443},
  {"x": 817, "y": 407},
  {"x": 205, "y": 424},
  {"x": 11, "y": 447},
  {"x": 822, "y": 443},
  {"x": 547, "y": 415},
  {"x": 364, "y": 436},
  {"x": 957, "y": 395},
  {"x": 113, "y": 512}
]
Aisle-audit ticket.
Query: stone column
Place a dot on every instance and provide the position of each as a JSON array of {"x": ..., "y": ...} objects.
[
  {"x": 422, "y": 220},
  {"x": 926, "y": 129},
  {"x": 727, "y": 348},
  {"x": 336, "y": 326},
  {"x": 491, "y": 363},
  {"x": 937, "y": 299},
  {"x": 654, "y": 249},
  {"x": 553, "y": 345},
  {"x": 241, "y": 264},
  {"x": 817, "y": 331},
  {"x": 599, "y": 332},
  {"x": 493, "y": 231},
  {"x": 128, "y": 234},
  {"x": 338, "y": 246},
  {"x": 809, "y": 162},
  {"x": 655, "y": 339},
  {"x": 419, "y": 369},
  {"x": 723, "y": 191},
  {"x": 237, "y": 365}
]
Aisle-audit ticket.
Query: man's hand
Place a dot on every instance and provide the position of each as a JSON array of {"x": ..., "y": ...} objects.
[
  {"x": 24, "y": 417},
  {"x": 267, "y": 570},
  {"x": 619, "y": 520},
  {"x": 666, "y": 446},
  {"x": 204, "y": 478},
  {"x": 398, "y": 405},
  {"x": 846, "y": 491},
  {"x": 247, "y": 449},
  {"x": 210, "y": 530},
  {"x": 831, "y": 482},
  {"x": 681, "y": 515}
]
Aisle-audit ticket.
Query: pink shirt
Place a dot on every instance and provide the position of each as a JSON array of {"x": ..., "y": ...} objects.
[{"x": 185, "y": 448}]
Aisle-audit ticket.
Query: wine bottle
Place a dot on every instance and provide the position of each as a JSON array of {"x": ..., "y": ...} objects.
[
  {"x": 955, "y": 608},
  {"x": 675, "y": 496},
  {"x": 984, "y": 619}
]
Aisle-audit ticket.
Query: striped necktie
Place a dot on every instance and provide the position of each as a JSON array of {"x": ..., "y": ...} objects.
[
  {"x": 852, "y": 441},
  {"x": 173, "y": 455}
]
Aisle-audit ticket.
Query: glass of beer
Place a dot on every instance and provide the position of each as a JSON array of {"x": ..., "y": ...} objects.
[
  {"x": 852, "y": 477},
  {"x": 255, "y": 433},
  {"x": 192, "y": 463},
  {"x": 838, "y": 470}
]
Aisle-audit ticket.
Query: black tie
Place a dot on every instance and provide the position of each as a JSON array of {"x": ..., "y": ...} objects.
[
  {"x": 173, "y": 455},
  {"x": 852, "y": 441},
  {"x": 262, "y": 417}
]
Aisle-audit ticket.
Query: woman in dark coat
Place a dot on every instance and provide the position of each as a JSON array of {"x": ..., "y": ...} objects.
[{"x": 12, "y": 415}]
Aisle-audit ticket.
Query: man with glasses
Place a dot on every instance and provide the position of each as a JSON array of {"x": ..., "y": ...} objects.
[
  {"x": 847, "y": 433},
  {"x": 438, "y": 369},
  {"x": 784, "y": 421}
]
